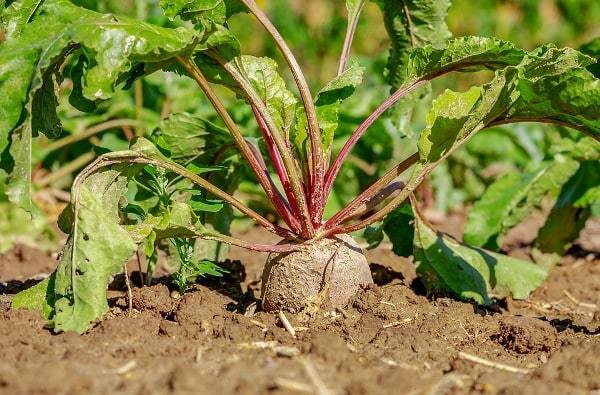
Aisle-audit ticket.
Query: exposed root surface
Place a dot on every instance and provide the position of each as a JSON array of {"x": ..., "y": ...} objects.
[
  {"x": 329, "y": 272},
  {"x": 388, "y": 340}
]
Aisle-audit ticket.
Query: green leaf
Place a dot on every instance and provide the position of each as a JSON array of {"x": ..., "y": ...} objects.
[
  {"x": 449, "y": 120},
  {"x": 446, "y": 265},
  {"x": 455, "y": 117},
  {"x": 95, "y": 251},
  {"x": 586, "y": 178},
  {"x": 583, "y": 149},
  {"x": 271, "y": 88},
  {"x": 554, "y": 84},
  {"x": 114, "y": 48},
  {"x": 399, "y": 228},
  {"x": 592, "y": 49},
  {"x": 511, "y": 198},
  {"x": 202, "y": 11},
  {"x": 341, "y": 87},
  {"x": 200, "y": 204},
  {"x": 589, "y": 198},
  {"x": 570, "y": 212},
  {"x": 220, "y": 40},
  {"x": 412, "y": 24},
  {"x": 561, "y": 228},
  {"x": 197, "y": 11},
  {"x": 188, "y": 137},
  {"x": 40, "y": 297},
  {"x": 470, "y": 53},
  {"x": 18, "y": 14},
  {"x": 327, "y": 104}
]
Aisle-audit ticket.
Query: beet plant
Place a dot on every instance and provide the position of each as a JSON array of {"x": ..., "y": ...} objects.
[{"x": 295, "y": 164}]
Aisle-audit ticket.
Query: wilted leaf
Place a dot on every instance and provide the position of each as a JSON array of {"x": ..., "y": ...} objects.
[
  {"x": 40, "y": 297},
  {"x": 96, "y": 250}
]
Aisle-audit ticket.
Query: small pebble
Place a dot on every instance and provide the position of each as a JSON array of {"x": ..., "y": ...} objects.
[{"x": 285, "y": 351}]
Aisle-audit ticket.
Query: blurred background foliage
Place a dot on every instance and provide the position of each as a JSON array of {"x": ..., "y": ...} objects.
[{"x": 315, "y": 31}]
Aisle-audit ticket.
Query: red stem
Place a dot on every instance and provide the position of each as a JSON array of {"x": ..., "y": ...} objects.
[
  {"x": 317, "y": 174},
  {"x": 278, "y": 164},
  {"x": 362, "y": 128},
  {"x": 282, "y": 207},
  {"x": 375, "y": 188}
]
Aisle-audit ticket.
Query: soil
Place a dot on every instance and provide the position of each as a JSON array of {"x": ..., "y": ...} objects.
[{"x": 390, "y": 339}]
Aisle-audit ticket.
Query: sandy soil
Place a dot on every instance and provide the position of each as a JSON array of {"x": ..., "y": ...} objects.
[{"x": 391, "y": 339}]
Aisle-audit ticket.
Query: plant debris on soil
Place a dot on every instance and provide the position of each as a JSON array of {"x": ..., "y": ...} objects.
[{"x": 390, "y": 339}]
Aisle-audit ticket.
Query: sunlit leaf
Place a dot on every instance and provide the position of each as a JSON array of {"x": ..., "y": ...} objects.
[
  {"x": 271, "y": 88},
  {"x": 446, "y": 265},
  {"x": 113, "y": 46},
  {"x": 327, "y": 104}
]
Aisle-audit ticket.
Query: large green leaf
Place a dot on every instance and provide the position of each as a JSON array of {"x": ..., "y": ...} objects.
[
  {"x": 470, "y": 53},
  {"x": 271, "y": 88},
  {"x": 555, "y": 85},
  {"x": 471, "y": 273},
  {"x": 114, "y": 47},
  {"x": 511, "y": 198},
  {"x": 95, "y": 251},
  {"x": 412, "y": 24},
  {"x": 455, "y": 117}
]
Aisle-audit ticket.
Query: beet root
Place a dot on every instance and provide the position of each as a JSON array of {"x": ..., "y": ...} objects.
[{"x": 290, "y": 280}]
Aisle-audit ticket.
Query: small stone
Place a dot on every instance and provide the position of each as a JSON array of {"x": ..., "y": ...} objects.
[{"x": 286, "y": 351}]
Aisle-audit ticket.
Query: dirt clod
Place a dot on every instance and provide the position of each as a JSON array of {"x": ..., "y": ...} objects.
[
  {"x": 524, "y": 335},
  {"x": 154, "y": 298}
]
